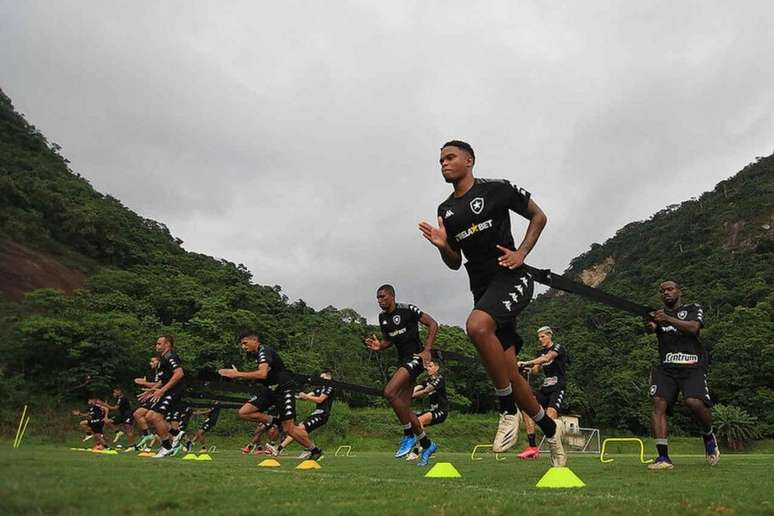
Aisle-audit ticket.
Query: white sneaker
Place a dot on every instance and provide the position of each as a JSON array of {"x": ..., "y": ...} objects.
[
  {"x": 507, "y": 432},
  {"x": 412, "y": 456},
  {"x": 163, "y": 452},
  {"x": 305, "y": 454},
  {"x": 558, "y": 456},
  {"x": 176, "y": 439},
  {"x": 118, "y": 436},
  {"x": 88, "y": 436},
  {"x": 271, "y": 450}
]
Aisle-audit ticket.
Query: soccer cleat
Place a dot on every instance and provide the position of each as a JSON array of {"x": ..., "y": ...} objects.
[
  {"x": 558, "y": 455},
  {"x": 406, "y": 445},
  {"x": 661, "y": 463},
  {"x": 424, "y": 455},
  {"x": 247, "y": 450},
  {"x": 144, "y": 441},
  {"x": 118, "y": 436},
  {"x": 176, "y": 450},
  {"x": 530, "y": 452},
  {"x": 176, "y": 439},
  {"x": 507, "y": 432},
  {"x": 164, "y": 452},
  {"x": 315, "y": 454},
  {"x": 414, "y": 455},
  {"x": 711, "y": 450},
  {"x": 189, "y": 446},
  {"x": 87, "y": 437},
  {"x": 305, "y": 454},
  {"x": 271, "y": 450}
]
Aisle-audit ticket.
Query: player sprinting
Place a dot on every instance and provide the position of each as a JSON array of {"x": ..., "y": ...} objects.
[
  {"x": 211, "y": 419},
  {"x": 271, "y": 373},
  {"x": 94, "y": 424},
  {"x": 475, "y": 221},
  {"x": 123, "y": 422},
  {"x": 322, "y": 397},
  {"x": 682, "y": 368},
  {"x": 433, "y": 388},
  {"x": 400, "y": 327},
  {"x": 553, "y": 359},
  {"x": 149, "y": 381}
]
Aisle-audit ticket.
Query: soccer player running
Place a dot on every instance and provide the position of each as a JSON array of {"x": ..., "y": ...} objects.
[
  {"x": 149, "y": 381},
  {"x": 553, "y": 359},
  {"x": 400, "y": 327},
  {"x": 433, "y": 388},
  {"x": 124, "y": 419},
  {"x": 94, "y": 424},
  {"x": 211, "y": 419},
  {"x": 322, "y": 397},
  {"x": 271, "y": 373},
  {"x": 682, "y": 367},
  {"x": 475, "y": 221},
  {"x": 166, "y": 397}
]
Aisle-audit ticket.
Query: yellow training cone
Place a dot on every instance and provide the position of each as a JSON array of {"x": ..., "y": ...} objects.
[
  {"x": 308, "y": 464},
  {"x": 190, "y": 456},
  {"x": 145, "y": 454},
  {"x": 269, "y": 463},
  {"x": 443, "y": 470},
  {"x": 204, "y": 456},
  {"x": 560, "y": 478}
]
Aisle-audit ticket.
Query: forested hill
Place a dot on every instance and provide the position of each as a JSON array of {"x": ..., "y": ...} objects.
[
  {"x": 720, "y": 247},
  {"x": 86, "y": 285}
]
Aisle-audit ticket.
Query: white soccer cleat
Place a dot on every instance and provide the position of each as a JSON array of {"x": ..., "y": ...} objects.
[
  {"x": 88, "y": 436},
  {"x": 412, "y": 456},
  {"x": 270, "y": 449},
  {"x": 305, "y": 454},
  {"x": 558, "y": 455},
  {"x": 118, "y": 436},
  {"x": 507, "y": 432},
  {"x": 163, "y": 452},
  {"x": 176, "y": 439}
]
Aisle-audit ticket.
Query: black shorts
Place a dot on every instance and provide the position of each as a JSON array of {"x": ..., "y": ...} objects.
[
  {"x": 437, "y": 416},
  {"x": 414, "y": 366},
  {"x": 166, "y": 405},
  {"x": 208, "y": 425},
  {"x": 122, "y": 419},
  {"x": 97, "y": 426},
  {"x": 315, "y": 421},
  {"x": 503, "y": 299},
  {"x": 666, "y": 383},
  {"x": 283, "y": 399},
  {"x": 551, "y": 398}
]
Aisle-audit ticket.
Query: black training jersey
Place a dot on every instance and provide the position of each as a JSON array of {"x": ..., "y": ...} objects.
[
  {"x": 438, "y": 398},
  {"x": 401, "y": 327},
  {"x": 325, "y": 406},
  {"x": 278, "y": 375},
  {"x": 479, "y": 221},
  {"x": 152, "y": 376},
  {"x": 95, "y": 413},
  {"x": 555, "y": 371},
  {"x": 169, "y": 362},
  {"x": 212, "y": 415},
  {"x": 123, "y": 406},
  {"x": 677, "y": 349}
]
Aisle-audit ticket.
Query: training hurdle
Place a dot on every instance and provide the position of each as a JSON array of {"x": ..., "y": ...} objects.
[
  {"x": 344, "y": 451},
  {"x": 482, "y": 446},
  {"x": 22, "y": 428},
  {"x": 620, "y": 440}
]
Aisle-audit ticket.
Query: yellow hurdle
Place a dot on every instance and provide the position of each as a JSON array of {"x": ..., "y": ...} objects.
[
  {"x": 475, "y": 449},
  {"x": 18, "y": 430},
  {"x": 621, "y": 440},
  {"x": 346, "y": 451}
]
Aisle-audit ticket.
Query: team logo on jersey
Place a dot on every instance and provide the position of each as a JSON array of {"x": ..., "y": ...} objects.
[
  {"x": 682, "y": 314},
  {"x": 652, "y": 390},
  {"x": 449, "y": 213},
  {"x": 477, "y": 205},
  {"x": 396, "y": 319}
]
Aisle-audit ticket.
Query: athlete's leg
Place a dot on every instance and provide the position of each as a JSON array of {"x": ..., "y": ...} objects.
[
  {"x": 159, "y": 424},
  {"x": 395, "y": 392},
  {"x": 250, "y": 412}
]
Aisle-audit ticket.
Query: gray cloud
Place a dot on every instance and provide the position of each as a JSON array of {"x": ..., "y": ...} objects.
[{"x": 301, "y": 139}]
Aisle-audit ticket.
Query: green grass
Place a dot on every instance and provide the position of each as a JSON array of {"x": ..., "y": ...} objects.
[{"x": 51, "y": 479}]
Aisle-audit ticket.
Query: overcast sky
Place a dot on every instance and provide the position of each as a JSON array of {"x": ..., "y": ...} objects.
[{"x": 302, "y": 138}]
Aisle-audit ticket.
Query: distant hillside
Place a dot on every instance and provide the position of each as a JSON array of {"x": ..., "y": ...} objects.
[{"x": 720, "y": 246}]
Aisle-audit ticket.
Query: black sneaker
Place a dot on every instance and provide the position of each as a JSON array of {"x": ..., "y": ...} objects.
[{"x": 315, "y": 454}]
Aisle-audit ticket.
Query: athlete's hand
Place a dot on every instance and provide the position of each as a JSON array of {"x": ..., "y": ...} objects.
[
  {"x": 510, "y": 259},
  {"x": 373, "y": 343},
  {"x": 228, "y": 373},
  {"x": 146, "y": 395},
  {"x": 157, "y": 394},
  {"x": 436, "y": 235},
  {"x": 660, "y": 316}
]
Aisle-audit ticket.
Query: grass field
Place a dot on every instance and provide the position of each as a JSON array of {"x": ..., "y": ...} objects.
[{"x": 51, "y": 479}]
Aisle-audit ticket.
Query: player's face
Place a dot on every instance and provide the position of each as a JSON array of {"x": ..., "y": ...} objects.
[
  {"x": 670, "y": 293},
  {"x": 385, "y": 299},
  {"x": 116, "y": 393},
  {"x": 162, "y": 346},
  {"x": 432, "y": 368},
  {"x": 250, "y": 344},
  {"x": 154, "y": 363},
  {"x": 455, "y": 164},
  {"x": 326, "y": 376},
  {"x": 545, "y": 339}
]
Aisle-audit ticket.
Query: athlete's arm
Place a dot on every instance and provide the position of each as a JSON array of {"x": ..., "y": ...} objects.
[
  {"x": 374, "y": 343},
  {"x": 316, "y": 399},
  {"x": 691, "y": 327},
  {"x": 421, "y": 391},
  {"x": 537, "y": 221},
  {"x": 437, "y": 236},
  {"x": 259, "y": 374},
  {"x": 177, "y": 375},
  {"x": 432, "y": 330}
]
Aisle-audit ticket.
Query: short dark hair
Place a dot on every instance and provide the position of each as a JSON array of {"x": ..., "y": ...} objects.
[
  {"x": 462, "y": 146},
  {"x": 677, "y": 285},
  {"x": 169, "y": 338},
  {"x": 327, "y": 371},
  {"x": 156, "y": 355},
  {"x": 387, "y": 287},
  {"x": 247, "y": 333}
]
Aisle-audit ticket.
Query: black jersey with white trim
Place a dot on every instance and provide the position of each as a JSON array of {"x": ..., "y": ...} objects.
[
  {"x": 96, "y": 413},
  {"x": 325, "y": 406},
  {"x": 401, "y": 327},
  {"x": 124, "y": 408},
  {"x": 167, "y": 365},
  {"x": 152, "y": 376},
  {"x": 279, "y": 376},
  {"x": 677, "y": 349},
  {"x": 555, "y": 371},
  {"x": 212, "y": 415},
  {"x": 438, "y": 398},
  {"x": 479, "y": 221}
]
